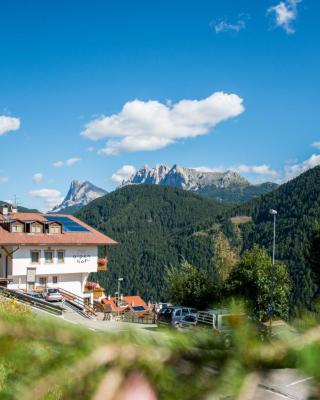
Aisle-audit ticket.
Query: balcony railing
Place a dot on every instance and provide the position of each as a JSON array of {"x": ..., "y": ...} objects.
[{"x": 102, "y": 264}]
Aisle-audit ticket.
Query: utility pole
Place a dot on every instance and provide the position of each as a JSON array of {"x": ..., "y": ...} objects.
[
  {"x": 119, "y": 282},
  {"x": 271, "y": 306}
]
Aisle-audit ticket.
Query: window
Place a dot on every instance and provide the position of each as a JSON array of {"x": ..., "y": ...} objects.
[
  {"x": 35, "y": 257},
  {"x": 48, "y": 257},
  {"x": 17, "y": 228},
  {"x": 178, "y": 313},
  {"x": 36, "y": 228},
  {"x": 43, "y": 281},
  {"x": 60, "y": 256},
  {"x": 54, "y": 228},
  {"x": 54, "y": 279},
  {"x": 190, "y": 318}
]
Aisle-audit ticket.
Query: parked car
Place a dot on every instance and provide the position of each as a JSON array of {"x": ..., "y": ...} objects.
[
  {"x": 36, "y": 295},
  {"x": 173, "y": 315},
  {"x": 222, "y": 321},
  {"x": 52, "y": 294},
  {"x": 161, "y": 306},
  {"x": 188, "y": 322}
]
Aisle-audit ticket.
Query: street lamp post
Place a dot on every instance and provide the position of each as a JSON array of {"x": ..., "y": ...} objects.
[
  {"x": 271, "y": 307},
  {"x": 119, "y": 282}
]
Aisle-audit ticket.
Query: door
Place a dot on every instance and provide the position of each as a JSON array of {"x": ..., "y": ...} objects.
[{"x": 43, "y": 281}]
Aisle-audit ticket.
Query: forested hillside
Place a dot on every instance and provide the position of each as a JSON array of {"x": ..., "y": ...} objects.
[
  {"x": 237, "y": 194},
  {"x": 155, "y": 226},
  {"x": 298, "y": 206}
]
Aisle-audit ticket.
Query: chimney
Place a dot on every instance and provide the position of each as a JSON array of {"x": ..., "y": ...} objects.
[
  {"x": 14, "y": 209},
  {"x": 4, "y": 209}
]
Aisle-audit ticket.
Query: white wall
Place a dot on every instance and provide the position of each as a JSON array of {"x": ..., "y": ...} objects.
[
  {"x": 72, "y": 282},
  {"x": 78, "y": 259}
]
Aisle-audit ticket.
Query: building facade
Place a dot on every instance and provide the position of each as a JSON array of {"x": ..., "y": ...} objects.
[{"x": 48, "y": 250}]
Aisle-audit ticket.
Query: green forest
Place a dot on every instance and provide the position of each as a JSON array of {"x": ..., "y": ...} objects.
[
  {"x": 158, "y": 227},
  {"x": 236, "y": 194},
  {"x": 155, "y": 226}
]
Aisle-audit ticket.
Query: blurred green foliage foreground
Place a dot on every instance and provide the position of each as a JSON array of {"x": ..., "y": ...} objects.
[{"x": 42, "y": 358}]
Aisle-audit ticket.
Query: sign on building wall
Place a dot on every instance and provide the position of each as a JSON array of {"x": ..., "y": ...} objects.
[
  {"x": 31, "y": 275},
  {"x": 81, "y": 257}
]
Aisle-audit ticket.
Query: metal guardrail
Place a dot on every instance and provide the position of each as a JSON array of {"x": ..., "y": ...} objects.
[
  {"x": 78, "y": 302},
  {"x": 71, "y": 306},
  {"x": 32, "y": 301}
]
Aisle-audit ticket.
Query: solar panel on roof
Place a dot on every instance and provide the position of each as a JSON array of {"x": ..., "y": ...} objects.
[{"x": 68, "y": 224}]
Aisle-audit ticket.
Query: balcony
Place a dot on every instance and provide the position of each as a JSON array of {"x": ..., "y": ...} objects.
[{"x": 102, "y": 264}]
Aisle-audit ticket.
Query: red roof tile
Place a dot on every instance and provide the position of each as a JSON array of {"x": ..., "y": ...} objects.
[
  {"x": 135, "y": 301},
  {"x": 113, "y": 305},
  {"x": 67, "y": 238},
  {"x": 27, "y": 216}
]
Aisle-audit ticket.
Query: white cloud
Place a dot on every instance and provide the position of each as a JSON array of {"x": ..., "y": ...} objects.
[
  {"x": 208, "y": 169},
  {"x": 255, "y": 169},
  {"x": 4, "y": 179},
  {"x": 225, "y": 26},
  {"x": 66, "y": 163},
  {"x": 90, "y": 149},
  {"x": 51, "y": 197},
  {"x": 291, "y": 171},
  {"x": 285, "y": 14},
  {"x": 124, "y": 173},
  {"x": 37, "y": 178},
  {"x": 8, "y": 124},
  {"x": 316, "y": 145},
  {"x": 151, "y": 125}
]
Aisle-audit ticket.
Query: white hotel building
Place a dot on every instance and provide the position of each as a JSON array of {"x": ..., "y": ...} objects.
[{"x": 48, "y": 250}]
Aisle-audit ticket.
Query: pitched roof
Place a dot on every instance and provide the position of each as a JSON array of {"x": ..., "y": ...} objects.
[
  {"x": 127, "y": 301},
  {"x": 91, "y": 236},
  {"x": 21, "y": 216},
  {"x": 113, "y": 305},
  {"x": 135, "y": 301}
]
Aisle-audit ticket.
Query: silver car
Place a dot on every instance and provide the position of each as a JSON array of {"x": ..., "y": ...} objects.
[
  {"x": 173, "y": 315},
  {"x": 52, "y": 294}
]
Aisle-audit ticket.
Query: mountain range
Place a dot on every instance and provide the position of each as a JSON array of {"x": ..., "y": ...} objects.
[
  {"x": 226, "y": 186},
  {"x": 185, "y": 178}
]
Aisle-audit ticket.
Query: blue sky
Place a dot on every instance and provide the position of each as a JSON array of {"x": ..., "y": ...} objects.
[{"x": 88, "y": 87}]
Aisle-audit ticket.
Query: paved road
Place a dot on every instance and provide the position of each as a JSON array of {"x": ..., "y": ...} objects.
[{"x": 284, "y": 384}]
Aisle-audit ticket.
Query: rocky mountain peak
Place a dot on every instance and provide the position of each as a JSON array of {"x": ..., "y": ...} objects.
[
  {"x": 185, "y": 178},
  {"x": 79, "y": 195}
]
